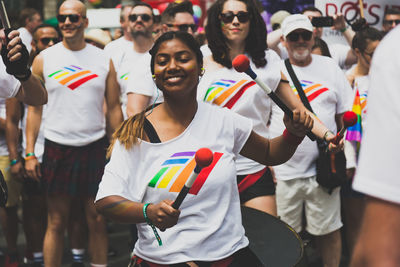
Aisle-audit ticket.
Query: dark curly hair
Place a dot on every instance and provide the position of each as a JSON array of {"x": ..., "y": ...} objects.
[{"x": 256, "y": 41}]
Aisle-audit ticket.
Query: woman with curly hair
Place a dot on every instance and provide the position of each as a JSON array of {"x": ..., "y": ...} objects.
[{"x": 236, "y": 27}]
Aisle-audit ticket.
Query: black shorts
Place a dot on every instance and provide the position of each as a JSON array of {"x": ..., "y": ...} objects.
[{"x": 263, "y": 186}]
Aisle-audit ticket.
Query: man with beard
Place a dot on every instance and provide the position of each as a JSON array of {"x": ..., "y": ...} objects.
[
  {"x": 329, "y": 94},
  {"x": 135, "y": 62},
  {"x": 79, "y": 78}
]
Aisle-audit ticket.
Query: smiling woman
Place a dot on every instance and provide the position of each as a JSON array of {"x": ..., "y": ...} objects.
[{"x": 152, "y": 155}]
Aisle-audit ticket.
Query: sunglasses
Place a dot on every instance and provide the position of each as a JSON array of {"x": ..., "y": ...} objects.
[
  {"x": 390, "y": 22},
  {"x": 228, "y": 17},
  {"x": 295, "y": 36},
  {"x": 144, "y": 17},
  {"x": 47, "y": 40},
  {"x": 184, "y": 27},
  {"x": 72, "y": 17}
]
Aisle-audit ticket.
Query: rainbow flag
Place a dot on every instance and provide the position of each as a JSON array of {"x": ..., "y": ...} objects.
[{"x": 354, "y": 133}]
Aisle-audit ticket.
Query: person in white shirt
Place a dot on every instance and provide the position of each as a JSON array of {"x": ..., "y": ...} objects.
[
  {"x": 378, "y": 167},
  {"x": 146, "y": 170},
  {"x": 364, "y": 44},
  {"x": 79, "y": 78},
  {"x": 29, "y": 19},
  {"x": 131, "y": 67},
  {"x": 243, "y": 32},
  {"x": 329, "y": 94},
  {"x": 33, "y": 193}
]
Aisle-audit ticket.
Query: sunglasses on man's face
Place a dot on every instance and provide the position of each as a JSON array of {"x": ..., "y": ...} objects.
[
  {"x": 390, "y": 22},
  {"x": 295, "y": 36},
  {"x": 184, "y": 27},
  {"x": 229, "y": 16},
  {"x": 47, "y": 40},
  {"x": 72, "y": 18},
  {"x": 134, "y": 17}
]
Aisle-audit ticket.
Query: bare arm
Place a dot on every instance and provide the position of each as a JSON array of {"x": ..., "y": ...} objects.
[
  {"x": 339, "y": 24},
  {"x": 136, "y": 103},
  {"x": 114, "y": 113},
  {"x": 277, "y": 150},
  {"x": 379, "y": 239},
  {"x": 273, "y": 40},
  {"x": 13, "y": 116},
  {"x": 122, "y": 210},
  {"x": 32, "y": 92},
  {"x": 33, "y": 121}
]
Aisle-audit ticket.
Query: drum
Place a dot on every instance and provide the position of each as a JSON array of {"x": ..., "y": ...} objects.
[{"x": 274, "y": 242}]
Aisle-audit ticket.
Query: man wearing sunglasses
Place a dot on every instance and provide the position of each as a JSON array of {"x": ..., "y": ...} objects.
[
  {"x": 328, "y": 93},
  {"x": 391, "y": 19},
  {"x": 79, "y": 78},
  {"x": 178, "y": 16}
]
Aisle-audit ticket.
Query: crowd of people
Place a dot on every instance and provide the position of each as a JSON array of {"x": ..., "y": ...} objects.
[{"x": 95, "y": 129}]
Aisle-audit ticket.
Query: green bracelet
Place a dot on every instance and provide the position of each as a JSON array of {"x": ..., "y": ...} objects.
[
  {"x": 13, "y": 162},
  {"x": 148, "y": 221},
  {"x": 343, "y": 30},
  {"x": 30, "y": 154}
]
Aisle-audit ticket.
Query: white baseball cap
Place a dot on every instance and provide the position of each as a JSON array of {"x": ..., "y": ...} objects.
[{"x": 295, "y": 22}]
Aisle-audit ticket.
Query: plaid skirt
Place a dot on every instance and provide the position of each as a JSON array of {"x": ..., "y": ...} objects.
[{"x": 73, "y": 171}]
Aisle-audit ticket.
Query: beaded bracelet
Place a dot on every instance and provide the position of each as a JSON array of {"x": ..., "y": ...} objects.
[
  {"x": 151, "y": 224},
  {"x": 13, "y": 162},
  {"x": 291, "y": 138}
]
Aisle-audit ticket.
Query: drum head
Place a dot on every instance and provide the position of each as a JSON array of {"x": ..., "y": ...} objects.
[
  {"x": 3, "y": 191},
  {"x": 274, "y": 242}
]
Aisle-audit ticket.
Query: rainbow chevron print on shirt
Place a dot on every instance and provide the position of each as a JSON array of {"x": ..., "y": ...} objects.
[
  {"x": 311, "y": 89},
  {"x": 177, "y": 169},
  {"x": 226, "y": 93},
  {"x": 125, "y": 76},
  {"x": 73, "y": 75}
]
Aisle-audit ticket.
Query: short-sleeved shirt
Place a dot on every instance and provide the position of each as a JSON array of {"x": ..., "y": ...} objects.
[
  {"x": 329, "y": 93},
  {"x": 379, "y": 168},
  {"x": 237, "y": 91},
  {"x": 209, "y": 226}
]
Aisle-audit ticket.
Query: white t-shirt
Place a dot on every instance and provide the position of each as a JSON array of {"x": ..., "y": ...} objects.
[
  {"x": 116, "y": 49},
  {"x": 209, "y": 226},
  {"x": 140, "y": 79},
  {"x": 379, "y": 168},
  {"x": 238, "y": 92},
  {"x": 76, "y": 83},
  {"x": 26, "y": 38},
  {"x": 9, "y": 85},
  {"x": 329, "y": 93}
]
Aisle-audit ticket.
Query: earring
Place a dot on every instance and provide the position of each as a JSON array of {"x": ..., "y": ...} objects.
[
  {"x": 202, "y": 71},
  {"x": 153, "y": 76}
]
